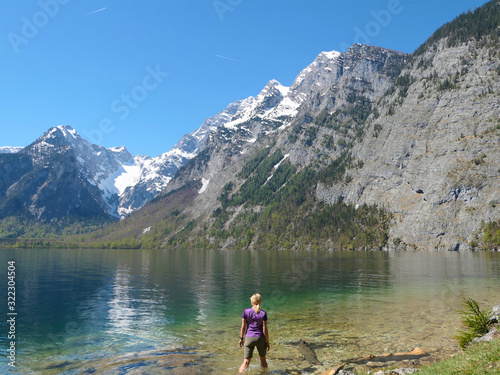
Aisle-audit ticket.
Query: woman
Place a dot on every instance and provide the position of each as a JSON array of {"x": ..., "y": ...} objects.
[{"x": 254, "y": 324}]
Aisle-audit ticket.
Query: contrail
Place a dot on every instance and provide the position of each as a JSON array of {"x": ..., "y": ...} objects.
[
  {"x": 95, "y": 11},
  {"x": 227, "y": 58}
]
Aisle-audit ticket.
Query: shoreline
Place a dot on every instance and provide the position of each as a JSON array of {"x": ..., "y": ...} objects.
[{"x": 411, "y": 362}]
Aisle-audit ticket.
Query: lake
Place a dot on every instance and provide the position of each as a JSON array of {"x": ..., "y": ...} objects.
[{"x": 179, "y": 312}]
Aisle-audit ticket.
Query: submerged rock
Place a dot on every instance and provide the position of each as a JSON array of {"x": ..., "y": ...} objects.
[
  {"x": 383, "y": 359},
  {"x": 308, "y": 353},
  {"x": 399, "y": 371},
  {"x": 335, "y": 370},
  {"x": 345, "y": 372},
  {"x": 157, "y": 362}
]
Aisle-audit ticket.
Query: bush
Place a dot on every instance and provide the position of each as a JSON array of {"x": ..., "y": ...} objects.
[{"x": 475, "y": 320}]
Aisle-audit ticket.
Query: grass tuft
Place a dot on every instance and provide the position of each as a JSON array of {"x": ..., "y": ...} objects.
[{"x": 479, "y": 359}]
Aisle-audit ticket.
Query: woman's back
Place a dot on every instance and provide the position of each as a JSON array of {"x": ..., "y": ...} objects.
[{"x": 254, "y": 322}]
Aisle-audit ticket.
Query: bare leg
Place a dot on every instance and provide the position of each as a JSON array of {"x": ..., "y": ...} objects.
[
  {"x": 263, "y": 362},
  {"x": 244, "y": 365}
]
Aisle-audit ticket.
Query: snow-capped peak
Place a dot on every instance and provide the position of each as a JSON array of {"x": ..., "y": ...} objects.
[
  {"x": 272, "y": 88},
  {"x": 270, "y": 85},
  {"x": 121, "y": 153},
  {"x": 125, "y": 182},
  {"x": 58, "y": 136},
  {"x": 270, "y": 104},
  {"x": 332, "y": 55},
  {"x": 9, "y": 149},
  {"x": 321, "y": 66},
  {"x": 68, "y": 131}
]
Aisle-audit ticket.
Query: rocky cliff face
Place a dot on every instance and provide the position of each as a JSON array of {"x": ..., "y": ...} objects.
[
  {"x": 415, "y": 135},
  {"x": 294, "y": 122},
  {"x": 370, "y": 148},
  {"x": 280, "y": 114},
  {"x": 433, "y": 157}
]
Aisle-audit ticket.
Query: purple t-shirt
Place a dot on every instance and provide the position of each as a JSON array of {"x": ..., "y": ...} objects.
[{"x": 254, "y": 322}]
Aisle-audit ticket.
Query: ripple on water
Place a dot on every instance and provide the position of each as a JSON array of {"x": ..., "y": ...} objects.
[
  {"x": 175, "y": 361},
  {"x": 131, "y": 310}
]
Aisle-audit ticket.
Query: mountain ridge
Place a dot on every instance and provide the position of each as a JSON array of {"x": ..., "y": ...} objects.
[
  {"x": 399, "y": 154},
  {"x": 119, "y": 182},
  {"x": 367, "y": 149}
]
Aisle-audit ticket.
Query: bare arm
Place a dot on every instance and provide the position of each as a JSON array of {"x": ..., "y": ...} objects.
[
  {"x": 243, "y": 330},
  {"x": 266, "y": 333}
]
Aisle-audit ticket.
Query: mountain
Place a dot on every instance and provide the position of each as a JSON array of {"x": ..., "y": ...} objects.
[
  {"x": 61, "y": 175},
  {"x": 274, "y": 132},
  {"x": 116, "y": 183},
  {"x": 432, "y": 156},
  {"x": 146, "y": 177},
  {"x": 367, "y": 149},
  {"x": 57, "y": 176},
  {"x": 9, "y": 149},
  {"x": 332, "y": 81}
]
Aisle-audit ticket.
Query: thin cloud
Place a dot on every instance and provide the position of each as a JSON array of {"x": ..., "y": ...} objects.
[
  {"x": 95, "y": 11},
  {"x": 227, "y": 58}
]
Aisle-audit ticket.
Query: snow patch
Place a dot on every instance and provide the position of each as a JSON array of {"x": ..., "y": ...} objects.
[
  {"x": 9, "y": 149},
  {"x": 129, "y": 175},
  {"x": 332, "y": 55},
  {"x": 72, "y": 132},
  {"x": 276, "y": 167},
  {"x": 180, "y": 153},
  {"x": 204, "y": 185},
  {"x": 117, "y": 149}
]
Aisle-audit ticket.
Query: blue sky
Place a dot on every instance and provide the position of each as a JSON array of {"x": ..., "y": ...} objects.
[{"x": 143, "y": 73}]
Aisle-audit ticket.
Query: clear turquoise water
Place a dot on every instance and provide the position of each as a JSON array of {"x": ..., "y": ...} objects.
[{"x": 179, "y": 312}]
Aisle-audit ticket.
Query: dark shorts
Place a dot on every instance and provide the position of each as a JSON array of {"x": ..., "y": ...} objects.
[{"x": 252, "y": 342}]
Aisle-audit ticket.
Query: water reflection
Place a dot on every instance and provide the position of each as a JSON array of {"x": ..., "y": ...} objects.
[
  {"x": 121, "y": 313},
  {"x": 82, "y": 307}
]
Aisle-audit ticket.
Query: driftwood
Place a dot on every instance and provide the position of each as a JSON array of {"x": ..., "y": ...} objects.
[
  {"x": 334, "y": 371},
  {"x": 416, "y": 353},
  {"x": 308, "y": 353}
]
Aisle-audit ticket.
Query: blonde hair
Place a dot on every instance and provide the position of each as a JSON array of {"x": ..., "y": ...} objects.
[{"x": 256, "y": 300}]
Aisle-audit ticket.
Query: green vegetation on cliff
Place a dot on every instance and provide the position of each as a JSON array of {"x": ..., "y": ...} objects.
[
  {"x": 477, "y": 24},
  {"x": 491, "y": 238},
  {"x": 275, "y": 208}
]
